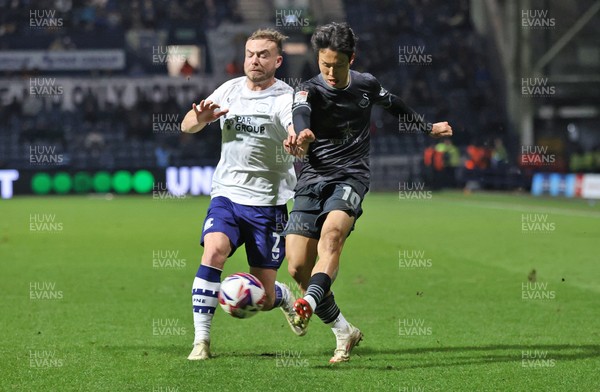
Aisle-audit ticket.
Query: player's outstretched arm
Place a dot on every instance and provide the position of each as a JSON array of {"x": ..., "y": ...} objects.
[
  {"x": 200, "y": 115},
  {"x": 397, "y": 107},
  {"x": 441, "y": 129}
]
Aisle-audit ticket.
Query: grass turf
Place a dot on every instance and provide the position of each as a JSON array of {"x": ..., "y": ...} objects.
[{"x": 457, "y": 321}]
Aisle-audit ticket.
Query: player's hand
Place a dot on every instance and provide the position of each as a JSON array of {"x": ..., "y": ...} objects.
[
  {"x": 441, "y": 129},
  {"x": 290, "y": 142},
  {"x": 206, "y": 111},
  {"x": 297, "y": 145},
  {"x": 305, "y": 137}
]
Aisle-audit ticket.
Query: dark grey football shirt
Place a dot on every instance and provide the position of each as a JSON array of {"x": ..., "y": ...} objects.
[{"x": 340, "y": 120}]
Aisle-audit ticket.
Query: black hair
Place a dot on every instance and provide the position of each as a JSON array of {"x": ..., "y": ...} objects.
[{"x": 335, "y": 36}]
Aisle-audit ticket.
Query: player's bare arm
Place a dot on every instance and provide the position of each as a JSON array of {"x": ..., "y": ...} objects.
[
  {"x": 200, "y": 115},
  {"x": 441, "y": 129},
  {"x": 290, "y": 141}
]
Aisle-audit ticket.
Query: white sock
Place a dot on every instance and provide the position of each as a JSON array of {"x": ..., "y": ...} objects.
[
  {"x": 340, "y": 325},
  {"x": 311, "y": 301},
  {"x": 205, "y": 302},
  {"x": 202, "y": 322},
  {"x": 282, "y": 295}
]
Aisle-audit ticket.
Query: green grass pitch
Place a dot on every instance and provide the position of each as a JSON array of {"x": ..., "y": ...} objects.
[{"x": 443, "y": 289}]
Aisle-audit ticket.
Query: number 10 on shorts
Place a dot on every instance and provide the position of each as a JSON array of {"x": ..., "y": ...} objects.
[{"x": 351, "y": 196}]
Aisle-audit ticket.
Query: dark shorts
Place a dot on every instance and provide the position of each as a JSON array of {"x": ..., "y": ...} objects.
[
  {"x": 313, "y": 202},
  {"x": 258, "y": 227}
]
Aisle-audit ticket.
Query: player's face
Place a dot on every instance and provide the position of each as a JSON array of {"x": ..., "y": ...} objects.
[
  {"x": 335, "y": 67},
  {"x": 262, "y": 59}
]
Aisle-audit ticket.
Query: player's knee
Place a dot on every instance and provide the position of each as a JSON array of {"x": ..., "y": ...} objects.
[
  {"x": 294, "y": 271},
  {"x": 298, "y": 269},
  {"x": 332, "y": 239},
  {"x": 295, "y": 259},
  {"x": 215, "y": 256}
]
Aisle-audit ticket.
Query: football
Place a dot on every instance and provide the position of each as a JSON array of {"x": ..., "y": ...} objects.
[{"x": 241, "y": 295}]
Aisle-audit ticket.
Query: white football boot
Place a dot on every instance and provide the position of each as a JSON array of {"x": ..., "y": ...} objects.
[
  {"x": 345, "y": 344},
  {"x": 201, "y": 351}
]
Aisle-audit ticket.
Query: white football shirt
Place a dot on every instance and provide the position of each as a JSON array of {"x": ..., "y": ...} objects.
[{"x": 254, "y": 169}]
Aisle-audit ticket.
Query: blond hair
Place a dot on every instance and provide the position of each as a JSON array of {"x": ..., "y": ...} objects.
[{"x": 269, "y": 35}]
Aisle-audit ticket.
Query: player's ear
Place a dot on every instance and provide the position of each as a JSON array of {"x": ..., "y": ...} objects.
[
  {"x": 278, "y": 61},
  {"x": 351, "y": 59}
]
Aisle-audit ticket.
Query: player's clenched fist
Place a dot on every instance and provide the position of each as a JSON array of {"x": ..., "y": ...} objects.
[{"x": 441, "y": 129}]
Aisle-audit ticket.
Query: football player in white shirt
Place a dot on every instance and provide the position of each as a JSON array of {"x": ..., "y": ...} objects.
[{"x": 251, "y": 185}]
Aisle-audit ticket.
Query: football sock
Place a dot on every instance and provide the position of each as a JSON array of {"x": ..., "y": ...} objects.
[
  {"x": 205, "y": 291},
  {"x": 329, "y": 312},
  {"x": 339, "y": 325},
  {"x": 318, "y": 286},
  {"x": 281, "y": 294}
]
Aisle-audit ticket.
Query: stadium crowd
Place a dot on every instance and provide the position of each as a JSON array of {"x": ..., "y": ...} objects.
[{"x": 449, "y": 78}]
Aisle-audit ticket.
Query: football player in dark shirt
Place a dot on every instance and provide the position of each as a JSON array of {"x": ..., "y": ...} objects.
[{"x": 331, "y": 115}]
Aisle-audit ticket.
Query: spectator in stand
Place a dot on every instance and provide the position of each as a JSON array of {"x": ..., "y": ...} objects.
[
  {"x": 499, "y": 155},
  {"x": 434, "y": 166},
  {"x": 451, "y": 161},
  {"x": 588, "y": 161},
  {"x": 576, "y": 164},
  {"x": 478, "y": 157}
]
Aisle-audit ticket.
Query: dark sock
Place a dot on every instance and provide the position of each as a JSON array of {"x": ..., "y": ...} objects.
[
  {"x": 318, "y": 285},
  {"x": 327, "y": 309}
]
